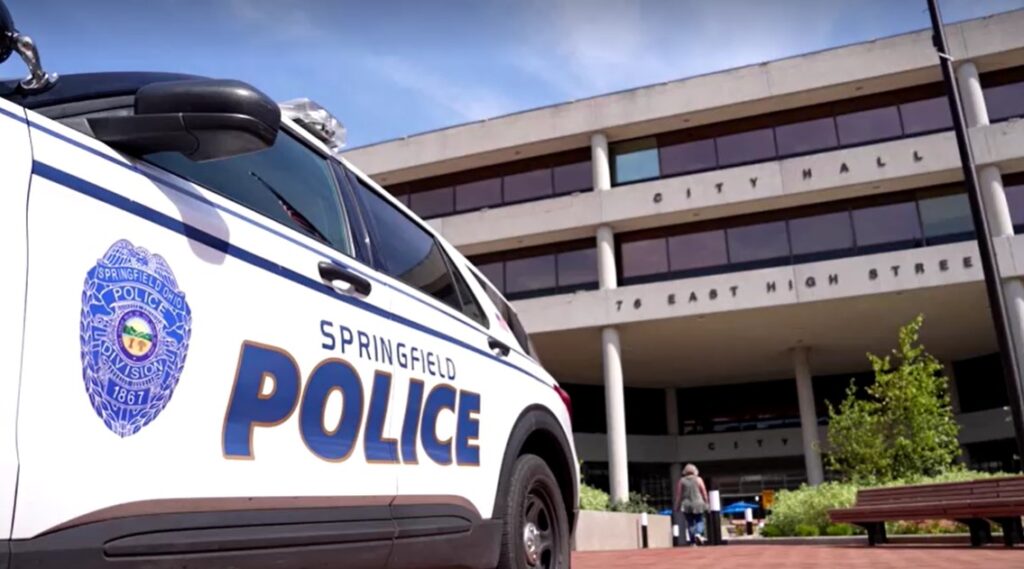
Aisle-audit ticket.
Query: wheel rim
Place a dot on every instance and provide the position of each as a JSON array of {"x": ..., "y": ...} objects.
[{"x": 540, "y": 530}]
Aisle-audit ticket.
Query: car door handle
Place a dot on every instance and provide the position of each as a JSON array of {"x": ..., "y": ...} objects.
[
  {"x": 332, "y": 273},
  {"x": 498, "y": 347}
]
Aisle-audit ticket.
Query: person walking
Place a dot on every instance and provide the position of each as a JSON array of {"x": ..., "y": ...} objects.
[{"x": 692, "y": 501}]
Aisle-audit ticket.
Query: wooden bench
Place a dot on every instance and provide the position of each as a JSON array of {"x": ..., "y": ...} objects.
[{"x": 974, "y": 504}]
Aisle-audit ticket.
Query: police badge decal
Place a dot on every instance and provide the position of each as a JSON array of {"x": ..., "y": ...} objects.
[{"x": 135, "y": 332}]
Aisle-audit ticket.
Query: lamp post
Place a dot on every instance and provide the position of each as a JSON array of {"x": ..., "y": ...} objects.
[{"x": 993, "y": 284}]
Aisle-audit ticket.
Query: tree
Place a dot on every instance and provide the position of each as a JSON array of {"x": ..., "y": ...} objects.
[{"x": 904, "y": 428}]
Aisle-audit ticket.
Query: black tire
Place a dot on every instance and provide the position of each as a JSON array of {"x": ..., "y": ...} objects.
[{"x": 533, "y": 497}]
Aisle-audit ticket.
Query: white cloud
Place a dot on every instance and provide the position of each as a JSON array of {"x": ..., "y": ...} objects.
[
  {"x": 463, "y": 102},
  {"x": 597, "y": 46},
  {"x": 284, "y": 20}
]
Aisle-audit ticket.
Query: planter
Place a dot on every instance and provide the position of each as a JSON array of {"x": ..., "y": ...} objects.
[{"x": 605, "y": 531}]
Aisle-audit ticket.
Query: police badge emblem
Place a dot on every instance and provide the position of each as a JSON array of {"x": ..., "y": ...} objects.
[{"x": 135, "y": 331}]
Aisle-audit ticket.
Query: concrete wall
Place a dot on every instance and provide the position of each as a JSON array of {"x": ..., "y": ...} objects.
[
  {"x": 778, "y": 286},
  {"x": 610, "y": 531},
  {"x": 886, "y": 167},
  {"x": 839, "y": 73}
]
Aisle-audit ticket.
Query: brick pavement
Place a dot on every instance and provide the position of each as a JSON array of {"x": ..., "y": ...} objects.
[{"x": 806, "y": 556}]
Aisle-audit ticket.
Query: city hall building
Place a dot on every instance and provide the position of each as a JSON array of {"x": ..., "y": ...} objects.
[{"x": 705, "y": 263}]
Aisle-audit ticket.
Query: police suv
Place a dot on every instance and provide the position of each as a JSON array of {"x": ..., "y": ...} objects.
[{"x": 224, "y": 346}]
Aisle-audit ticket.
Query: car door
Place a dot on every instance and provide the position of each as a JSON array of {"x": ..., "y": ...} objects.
[
  {"x": 15, "y": 168},
  {"x": 186, "y": 341},
  {"x": 459, "y": 413}
]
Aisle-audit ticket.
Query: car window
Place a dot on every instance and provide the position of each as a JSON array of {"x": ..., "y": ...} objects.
[
  {"x": 410, "y": 254},
  {"x": 507, "y": 313},
  {"x": 287, "y": 182}
]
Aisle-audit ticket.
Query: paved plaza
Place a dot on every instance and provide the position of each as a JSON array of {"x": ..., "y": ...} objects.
[{"x": 806, "y": 556}]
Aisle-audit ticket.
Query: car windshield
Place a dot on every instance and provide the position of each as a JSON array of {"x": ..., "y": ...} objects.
[{"x": 287, "y": 182}]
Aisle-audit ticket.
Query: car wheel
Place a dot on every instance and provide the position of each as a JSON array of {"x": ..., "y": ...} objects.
[{"x": 536, "y": 526}]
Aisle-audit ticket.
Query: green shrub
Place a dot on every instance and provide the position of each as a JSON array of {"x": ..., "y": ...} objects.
[
  {"x": 636, "y": 504},
  {"x": 808, "y": 506},
  {"x": 839, "y": 529},
  {"x": 593, "y": 499},
  {"x": 807, "y": 530}
]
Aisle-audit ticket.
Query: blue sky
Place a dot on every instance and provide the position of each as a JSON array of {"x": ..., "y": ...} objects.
[{"x": 389, "y": 68}]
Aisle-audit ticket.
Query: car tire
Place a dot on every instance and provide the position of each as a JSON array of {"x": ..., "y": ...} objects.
[{"x": 535, "y": 533}]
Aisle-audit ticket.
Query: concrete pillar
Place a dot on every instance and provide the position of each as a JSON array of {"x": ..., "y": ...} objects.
[
  {"x": 607, "y": 273},
  {"x": 975, "y": 111},
  {"x": 990, "y": 180},
  {"x": 671, "y": 411},
  {"x": 600, "y": 166},
  {"x": 808, "y": 417},
  {"x": 675, "y": 469},
  {"x": 615, "y": 413},
  {"x": 954, "y": 392}
]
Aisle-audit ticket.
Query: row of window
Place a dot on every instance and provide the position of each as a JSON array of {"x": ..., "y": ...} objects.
[
  {"x": 804, "y": 234},
  {"x": 653, "y": 157},
  {"x": 500, "y": 190},
  {"x": 845, "y": 123},
  {"x": 848, "y": 231}
]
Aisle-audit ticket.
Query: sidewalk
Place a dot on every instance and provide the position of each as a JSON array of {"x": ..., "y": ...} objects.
[{"x": 807, "y": 556}]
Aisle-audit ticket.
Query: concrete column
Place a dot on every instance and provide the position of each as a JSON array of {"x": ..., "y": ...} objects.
[
  {"x": 607, "y": 274},
  {"x": 675, "y": 469},
  {"x": 602, "y": 174},
  {"x": 954, "y": 392},
  {"x": 990, "y": 180},
  {"x": 600, "y": 166},
  {"x": 808, "y": 417},
  {"x": 975, "y": 111},
  {"x": 671, "y": 411},
  {"x": 615, "y": 412}
]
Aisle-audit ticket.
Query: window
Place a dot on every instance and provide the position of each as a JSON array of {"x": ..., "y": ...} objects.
[
  {"x": 929, "y": 115},
  {"x": 432, "y": 203},
  {"x": 528, "y": 186},
  {"x": 577, "y": 267},
  {"x": 868, "y": 126},
  {"x": 807, "y": 136},
  {"x": 508, "y": 314},
  {"x": 946, "y": 218},
  {"x": 634, "y": 161},
  {"x": 640, "y": 258},
  {"x": 530, "y": 274},
  {"x": 409, "y": 253},
  {"x": 287, "y": 182},
  {"x": 697, "y": 250},
  {"x": 1015, "y": 201},
  {"x": 477, "y": 195},
  {"x": 573, "y": 178},
  {"x": 760, "y": 242},
  {"x": 495, "y": 272},
  {"x": 688, "y": 157},
  {"x": 745, "y": 147},
  {"x": 887, "y": 226},
  {"x": 817, "y": 235},
  {"x": 1005, "y": 101}
]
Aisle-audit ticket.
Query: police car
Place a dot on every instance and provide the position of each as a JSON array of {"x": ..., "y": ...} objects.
[{"x": 224, "y": 346}]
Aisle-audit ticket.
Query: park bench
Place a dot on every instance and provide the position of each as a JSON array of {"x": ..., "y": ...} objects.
[{"x": 975, "y": 504}]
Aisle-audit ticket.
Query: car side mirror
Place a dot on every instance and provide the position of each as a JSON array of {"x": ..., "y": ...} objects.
[{"x": 203, "y": 119}]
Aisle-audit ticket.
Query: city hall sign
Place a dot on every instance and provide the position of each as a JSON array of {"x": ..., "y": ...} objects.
[{"x": 841, "y": 168}]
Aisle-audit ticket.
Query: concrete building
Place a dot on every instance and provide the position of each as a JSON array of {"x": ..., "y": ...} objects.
[{"x": 705, "y": 262}]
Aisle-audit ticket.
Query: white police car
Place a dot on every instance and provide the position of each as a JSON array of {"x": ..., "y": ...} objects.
[{"x": 223, "y": 346}]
